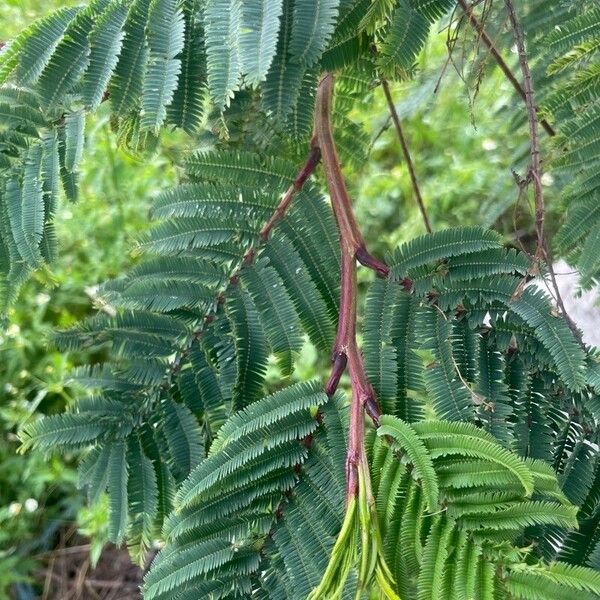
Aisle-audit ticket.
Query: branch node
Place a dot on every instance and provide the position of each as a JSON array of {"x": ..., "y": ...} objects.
[
  {"x": 372, "y": 408},
  {"x": 366, "y": 259},
  {"x": 340, "y": 361}
]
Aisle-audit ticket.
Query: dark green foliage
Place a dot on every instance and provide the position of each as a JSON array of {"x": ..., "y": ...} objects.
[
  {"x": 572, "y": 60},
  {"x": 156, "y": 60},
  {"x": 487, "y": 446},
  {"x": 195, "y": 257}
]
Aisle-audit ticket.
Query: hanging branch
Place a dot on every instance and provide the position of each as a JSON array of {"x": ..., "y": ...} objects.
[
  {"x": 478, "y": 26},
  {"x": 361, "y": 513},
  {"x": 535, "y": 171},
  {"x": 406, "y": 153},
  {"x": 352, "y": 248}
]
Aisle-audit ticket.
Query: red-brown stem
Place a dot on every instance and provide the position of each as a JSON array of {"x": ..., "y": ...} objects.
[
  {"x": 352, "y": 247},
  {"x": 406, "y": 153},
  {"x": 366, "y": 259},
  {"x": 346, "y": 344},
  {"x": 363, "y": 397},
  {"x": 249, "y": 256},
  {"x": 349, "y": 231},
  {"x": 346, "y": 331},
  {"x": 338, "y": 366},
  {"x": 305, "y": 172},
  {"x": 480, "y": 29},
  {"x": 356, "y": 433}
]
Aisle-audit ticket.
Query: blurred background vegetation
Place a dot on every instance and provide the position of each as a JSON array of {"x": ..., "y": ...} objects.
[{"x": 463, "y": 150}]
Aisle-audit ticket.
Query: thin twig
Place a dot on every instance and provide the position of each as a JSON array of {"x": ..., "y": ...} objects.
[
  {"x": 279, "y": 212},
  {"x": 478, "y": 26},
  {"x": 48, "y": 579},
  {"x": 102, "y": 584},
  {"x": 380, "y": 132},
  {"x": 406, "y": 153},
  {"x": 309, "y": 166},
  {"x": 535, "y": 172}
]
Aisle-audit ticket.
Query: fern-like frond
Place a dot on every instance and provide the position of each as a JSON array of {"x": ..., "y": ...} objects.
[
  {"x": 30, "y": 51},
  {"x": 165, "y": 36},
  {"x": 440, "y": 245},
  {"x": 283, "y": 82},
  {"x": 312, "y": 26},
  {"x": 105, "y": 46},
  {"x": 574, "y": 31},
  {"x": 258, "y": 37},
  {"x": 406, "y": 36},
  {"x": 71, "y": 56},
  {"x": 222, "y": 23},
  {"x": 188, "y": 105},
  {"x": 408, "y": 441}
]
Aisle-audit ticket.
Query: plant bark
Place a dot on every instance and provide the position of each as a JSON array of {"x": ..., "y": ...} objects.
[{"x": 352, "y": 248}]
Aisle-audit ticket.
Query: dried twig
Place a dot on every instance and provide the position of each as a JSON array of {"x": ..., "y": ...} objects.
[
  {"x": 478, "y": 26},
  {"x": 535, "y": 171},
  {"x": 406, "y": 153}
]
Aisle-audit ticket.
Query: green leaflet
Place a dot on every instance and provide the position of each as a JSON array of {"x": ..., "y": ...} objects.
[
  {"x": 433, "y": 564},
  {"x": 451, "y": 438},
  {"x": 407, "y": 440},
  {"x": 574, "y": 31},
  {"x": 222, "y": 24},
  {"x": 106, "y": 41},
  {"x": 442, "y": 554},
  {"x": 71, "y": 57},
  {"x": 309, "y": 304},
  {"x": 184, "y": 441},
  {"x": 142, "y": 491},
  {"x": 312, "y": 26},
  {"x": 406, "y": 36},
  {"x": 282, "y": 327},
  {"x": 438, "y": 245},
  {"x": 68, "y": 430},
  {"x": 163, "y": 68},
  {"x": 379, "y": 350},
  {"x": 570, "y": 53},
  {"x": 28, "y": 53},
  {"x": 283, "y": 82},
  {"x": 251, "y": 349},
  {"x": 433, "y": 9},
  {"x": 450, "y": 397},
  {"x": 187, "y": 108},
  {"x": 258, "y": 37},
  {"x": 117, "y": 485},
  {"x": 25, "y": 208},
  {"x": 74, "y": 140},
  {"x": 127, "y": 84}
]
